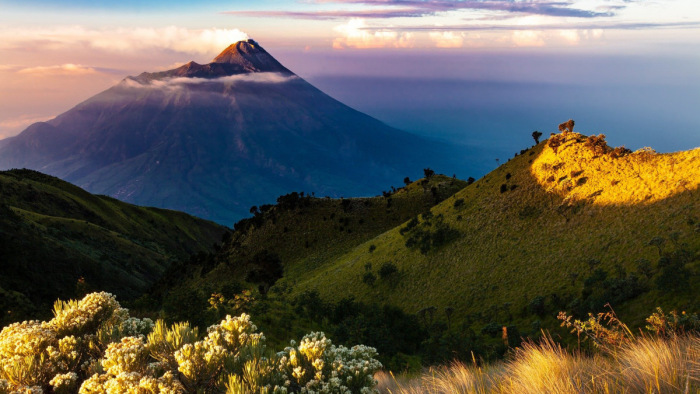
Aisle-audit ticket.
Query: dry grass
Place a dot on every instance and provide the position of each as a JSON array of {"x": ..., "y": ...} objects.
[{"x": 647, "y": 365}]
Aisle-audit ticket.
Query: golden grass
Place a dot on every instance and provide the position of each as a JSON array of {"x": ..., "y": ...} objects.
[
  {"x": 648, "y": 365},
  {"x": 575, "y": 173}
]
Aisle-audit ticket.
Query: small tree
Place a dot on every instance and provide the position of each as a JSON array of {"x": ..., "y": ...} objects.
[
  {"x": 407, "y": 181},
  {"x": 536, "y": 136},
  {"x": 428, "y": 173}
]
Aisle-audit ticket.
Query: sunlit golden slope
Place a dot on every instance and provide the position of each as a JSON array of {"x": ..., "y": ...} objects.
[
  {"x": 539, "y": 226},
  {"x": 574, "y": 171}
]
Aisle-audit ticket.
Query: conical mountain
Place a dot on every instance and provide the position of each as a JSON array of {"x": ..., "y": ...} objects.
[{"x": 214, "y": 139}]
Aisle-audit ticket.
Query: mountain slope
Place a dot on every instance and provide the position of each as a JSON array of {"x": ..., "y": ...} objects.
[
  {"x": 214, "y": 139},
  {"x": 57, "y": 240},
  {"x": 567, "y": 225},
  {"x": 303, "y": 232}
]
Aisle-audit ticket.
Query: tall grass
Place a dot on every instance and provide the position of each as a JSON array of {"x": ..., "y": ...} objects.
[{"x": 646, "y": 365}]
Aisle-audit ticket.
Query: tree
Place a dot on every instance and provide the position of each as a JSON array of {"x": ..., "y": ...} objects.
[
  {"x": 428, "y": 173},
  {"x": 407, "y": 181},
  {"x": 536, "y": 135}
]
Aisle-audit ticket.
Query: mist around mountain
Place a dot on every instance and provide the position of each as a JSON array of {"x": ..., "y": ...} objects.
[{"x": 213, "y": 140}]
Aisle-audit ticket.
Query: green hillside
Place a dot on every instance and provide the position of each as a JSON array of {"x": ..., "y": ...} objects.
[
  {"x": 279, "y": 246},
  {"x": 306, "y": 232},
  {"x": 570, "y": 224},
  {"x": 443, "y": 268},
  {"x": 57, "y": 240}
]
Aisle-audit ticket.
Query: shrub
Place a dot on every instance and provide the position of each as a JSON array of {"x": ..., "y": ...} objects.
[
  {"x": 429, "y": 173},
  {"x": 369, "y": 278},
  {"x": 372, "y": 248},
  {"x": 387, "y": 270},
  {"x": 597, "y": 144},
  {"x": 93, "y": 344},
  {"x": 458, "y": 203},
  {"x": 536, "y": 136},
  {"x": 536, "y": 306}
]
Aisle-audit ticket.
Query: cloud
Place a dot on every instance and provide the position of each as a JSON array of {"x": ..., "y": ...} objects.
[
  {"x": 355, "y": 34},
  {"x": 551, "y": 26},
  {"x": 419, "y": 8},
  {"x": 181, "y": 82},
  {"x": 64, "y": 69},
  {"x": 447, "y": 39},
  {"x": 200, "y": 41},
  {"x": 528, "y": 38}
]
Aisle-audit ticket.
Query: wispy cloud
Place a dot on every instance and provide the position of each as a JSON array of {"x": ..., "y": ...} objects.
[
  {"x": 555, "y": 26},
  {"x": 63, "y": 69},
  {"x": 200, "y": 41},
  {"x": 180, "y": 82},
  {"x": 419, "y": 8}
]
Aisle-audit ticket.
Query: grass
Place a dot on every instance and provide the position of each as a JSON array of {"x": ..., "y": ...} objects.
[
  {"x": 59, "y": 241},
  {"x": 647, "y": 365},
  {"x": 320, "y": 230},
  {"x": 536, "y": 238}
]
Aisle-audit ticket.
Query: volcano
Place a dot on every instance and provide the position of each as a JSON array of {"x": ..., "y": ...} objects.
[{"x": 214, "y": 139}]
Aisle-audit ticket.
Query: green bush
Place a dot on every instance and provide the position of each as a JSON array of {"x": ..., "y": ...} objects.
[{"x": 387, "y": 270}]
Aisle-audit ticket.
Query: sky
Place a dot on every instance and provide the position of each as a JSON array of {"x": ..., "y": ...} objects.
[{"x": 477, "y": 72}]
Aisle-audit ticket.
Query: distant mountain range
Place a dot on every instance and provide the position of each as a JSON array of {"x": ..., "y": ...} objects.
[{"x": 215, "y": 139}]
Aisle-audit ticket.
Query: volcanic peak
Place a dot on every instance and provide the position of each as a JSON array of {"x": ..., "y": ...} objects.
[
  {"x": 251, "y": 56},
  {"x": 242, "y": 57}
]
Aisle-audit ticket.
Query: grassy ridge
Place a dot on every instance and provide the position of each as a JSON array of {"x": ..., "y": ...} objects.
[
  {"x": 57, "y": 240},
  {"x": 305, "y": 232},
  {"x": 537, "y": 228}
]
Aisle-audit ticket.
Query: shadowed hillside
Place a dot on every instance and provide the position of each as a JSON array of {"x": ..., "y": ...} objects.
[{"x": 57, "y": 240}]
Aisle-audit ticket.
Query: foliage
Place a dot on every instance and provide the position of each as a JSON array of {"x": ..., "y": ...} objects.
[
  {"x": 94, "y": 345},
  {"x": 643, "y": 364},
  {"x": 604, "y": 329},
  {"x": 59, "y": 241},
  {"x": 432, "y": 233},
  {"x": 536, "y": 136},
  {"x": 387, "y": 270},
  {"x": 673, "y": 323}
]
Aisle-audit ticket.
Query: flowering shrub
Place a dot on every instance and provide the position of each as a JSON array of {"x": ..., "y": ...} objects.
[
  {"x": 316, "y": 365},
  {"x": 93, "y": 346}
]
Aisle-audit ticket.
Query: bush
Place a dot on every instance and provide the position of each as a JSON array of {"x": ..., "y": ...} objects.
[
  {"x": 387, "y": 270},
  {"x": 536, "y": 306},
  {"x": 369, "y": 278},
  {"x": 597, "y": 145},
  {"x": 93, "y": 344}
]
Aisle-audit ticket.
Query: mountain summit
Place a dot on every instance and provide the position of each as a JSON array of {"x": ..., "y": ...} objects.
[
  {"x": 212, "y": 140},
  {"x": 251, "y": 57},
  {"x": 242, "y": 57}
]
